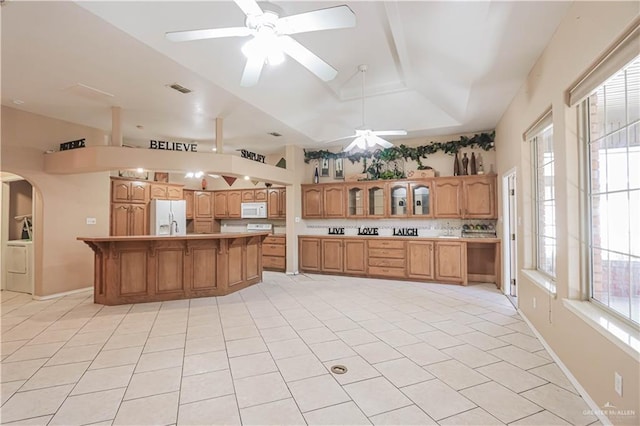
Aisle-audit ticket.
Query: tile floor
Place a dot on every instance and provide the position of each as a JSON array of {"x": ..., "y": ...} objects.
[{"x": 417, "y": 354}]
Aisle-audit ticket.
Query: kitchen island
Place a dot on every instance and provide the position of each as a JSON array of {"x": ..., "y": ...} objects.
[{"x": 154, "y": 268}]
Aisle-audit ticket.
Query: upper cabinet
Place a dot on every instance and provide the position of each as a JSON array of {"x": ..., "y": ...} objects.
[
  {"x": 163, "y": 191},
  {"x": 227, "y": 204},
  {"x": 203, "y": 205},
  {"x": 479, "y": 195},
  {"x": 188, "y": 196},
  {"x": 254, "y": 195},
  {"x": 448, "y": 194},
  {"x": 472, "y": 197},
  {"x": 333, "y": 201},
  {"x": 129, "y": 191},
  {"x": 276, "y": 203}
]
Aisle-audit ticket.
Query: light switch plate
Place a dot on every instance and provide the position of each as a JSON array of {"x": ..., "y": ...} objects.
[
  {"x": 91, "y": 221},
  {"x": 617, "y": 383}
]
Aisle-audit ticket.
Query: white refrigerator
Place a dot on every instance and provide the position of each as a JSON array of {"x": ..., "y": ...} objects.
[{"x": 168, "y": 217}]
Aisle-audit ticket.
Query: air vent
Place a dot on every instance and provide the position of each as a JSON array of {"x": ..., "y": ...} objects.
[
  {"x": 275, "y": 134},
  {"x": 179, "y": 88}
]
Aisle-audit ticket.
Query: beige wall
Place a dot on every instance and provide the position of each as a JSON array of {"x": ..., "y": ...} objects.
[
  {"x": 442, "y": 163},
  {"x": 587, "y": 31},
  {"x": 62, "y": 202}
]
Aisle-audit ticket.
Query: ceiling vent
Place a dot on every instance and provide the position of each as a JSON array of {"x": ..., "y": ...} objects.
[
  {"x": 275, "y": 134},
  {"x": 179, "y": 88}
]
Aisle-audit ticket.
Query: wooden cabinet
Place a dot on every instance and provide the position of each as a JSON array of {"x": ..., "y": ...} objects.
[
  {"x": 164, "y": 191},
  {"x": 274, "y": 254},
  {"x": 309, "y": 254},
  {"x": 203, "y": 206},
  {"x": 129, "y": 191},
  {"x": 331, "y": 256},
  {"x": 387, "y": 258},
  {"x": 277, "y": 203},
  {"x": 254, "y": 195},
  {"x": 333, "y": 201},
  {"x": 355, "y": 258},
  {"x": 356, "y": 200},
  {"x": 312, "y": 202},
  {"x": 227, "y": 204},
  {"x": 188, "y": 196},
  {"x": 479, "y": 193},
  {"x": 420, "y": 260},
  {"x": 220, "y": 205},
  {"x": 234, "y": 204},
  {"x": 447, "y": 197},
  {"x": 450, "y": 261},
  {"x": 174, "y": 192},
  {"x": 203, "y": 226},
  {"x": 420, "y": 197},
  {"x": 376, "y": 199},
  {"x": 398, "y": 198},
  {"x": 129, "y": 219}
]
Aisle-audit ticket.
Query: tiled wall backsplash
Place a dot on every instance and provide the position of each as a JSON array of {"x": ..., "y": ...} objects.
[{"x": 426, "y": 227}]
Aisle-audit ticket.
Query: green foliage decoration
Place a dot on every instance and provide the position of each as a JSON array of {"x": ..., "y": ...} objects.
[{"x": 484, "y": 141}]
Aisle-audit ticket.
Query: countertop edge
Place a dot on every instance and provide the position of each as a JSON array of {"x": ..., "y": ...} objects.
[{"x": 219, "y": 236}]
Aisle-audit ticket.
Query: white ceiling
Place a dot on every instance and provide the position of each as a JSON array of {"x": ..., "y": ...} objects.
[{"x": 434, "y": 68}]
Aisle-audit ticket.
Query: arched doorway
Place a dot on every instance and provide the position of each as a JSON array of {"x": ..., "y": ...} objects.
[{"x": 17, "y": 234}]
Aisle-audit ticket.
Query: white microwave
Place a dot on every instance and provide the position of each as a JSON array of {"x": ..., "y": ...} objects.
[{"x": 253, "y": 210}]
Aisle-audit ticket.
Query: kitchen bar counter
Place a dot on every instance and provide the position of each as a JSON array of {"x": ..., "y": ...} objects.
[{"x": 158, "y": 268}]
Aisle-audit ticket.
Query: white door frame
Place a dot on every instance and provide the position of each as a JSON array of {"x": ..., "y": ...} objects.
[{"x": 509, "y": 228}]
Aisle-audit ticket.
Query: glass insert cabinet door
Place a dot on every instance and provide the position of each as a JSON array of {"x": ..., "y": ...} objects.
[
  {"x": 375, "y": 200},
  {"x": 398, "y": 199},
  {"x": 420, "y": 200},
  {"x": 356, "y": 201}
]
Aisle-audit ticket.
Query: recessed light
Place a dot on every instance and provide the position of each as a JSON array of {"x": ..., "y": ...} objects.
[
  {"x": 247, "y": 178},
  {"x": 214, "y": 149},
  {"x": 18, "y": 101},
  {"x": 139, "y": 170}
]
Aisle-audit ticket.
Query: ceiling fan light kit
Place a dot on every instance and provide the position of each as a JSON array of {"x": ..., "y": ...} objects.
[{"x": 271, "y": 38}]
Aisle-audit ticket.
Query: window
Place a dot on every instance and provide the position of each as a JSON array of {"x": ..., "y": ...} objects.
[
  {"x": 612, "y": 117},
  {"x": 541, "y": 138}
]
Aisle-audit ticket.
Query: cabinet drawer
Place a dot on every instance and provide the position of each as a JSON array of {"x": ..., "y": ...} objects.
[
  {"x": 386, "y": 244},
  {"x": 273, "y": 250},
  {"x": 386, "y": 272},
  {"x": 387, "y": 253},
  {"x": 273, "y": 262},
  {"x": 272, "y": 239},
  {"x": 393, "y": 263}
]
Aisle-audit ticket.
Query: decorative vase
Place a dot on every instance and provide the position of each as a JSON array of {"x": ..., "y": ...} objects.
[
  {"x": 473, "y": 164},
  {"x": 465, "y": 164},
  {"x": 480, "y": 167},
  {"x": 456, "y": 166},
  {"x": 316, "y": 176},
  {"x": 204, "y": 183}
]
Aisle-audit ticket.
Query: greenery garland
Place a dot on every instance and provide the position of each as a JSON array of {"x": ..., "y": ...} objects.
[{"x": 483, "y": 141}]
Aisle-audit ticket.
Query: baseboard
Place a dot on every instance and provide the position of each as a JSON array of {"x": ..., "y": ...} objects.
[
  {"x": 597, "y": 411},
  {"x": 64, "y": 293}
]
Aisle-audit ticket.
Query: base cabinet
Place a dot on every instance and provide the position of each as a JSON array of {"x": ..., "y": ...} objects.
[
  {"x": 451, "y": 261},
  {"x": 274, "y": 253},
  {"x": 309, "y": 254},
  {"x": 332, "y": 257},
  {"x": 355, "y": 258},
  {"x": 415, "y": 259},
  {"x": 420, "y": 260}
]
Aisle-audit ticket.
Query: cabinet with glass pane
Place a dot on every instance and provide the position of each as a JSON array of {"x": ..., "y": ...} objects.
[
  {"x": 420, "y": 198},
  {"x": 398, "y": 194},
  {"x": 376, "y": 199},
  {"x": 356, "y": 200}
]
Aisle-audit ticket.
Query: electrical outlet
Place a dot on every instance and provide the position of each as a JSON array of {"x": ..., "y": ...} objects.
[
  {"x": 91, "y": 221},
  {"x": 297, "y": 219},
  {"x": 617, "y": 383},
  {"x": 534, "y": 303}
]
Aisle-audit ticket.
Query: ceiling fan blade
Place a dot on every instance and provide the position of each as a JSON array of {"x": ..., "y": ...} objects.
[
  {"x": 324, "y": 19},
  {"x": 340, "y": 139},
  {"x": 389, "y": 132},
  {"x": 252, "y": 71},
  {"x": 249, "y": 7},
  {"x": 308, "y": 59},
  {"x": 205, "y": 34},
  {"x": 351, "y": 146},
  {"x": 378, "y": 140}
]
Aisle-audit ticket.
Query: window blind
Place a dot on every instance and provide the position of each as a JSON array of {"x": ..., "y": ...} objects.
[{"x": 624, "y": 51}]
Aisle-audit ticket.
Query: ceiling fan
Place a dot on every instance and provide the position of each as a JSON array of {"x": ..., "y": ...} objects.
[
  {"x": 271, "y": 37},
  {"x": 367, "y": 138}
]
